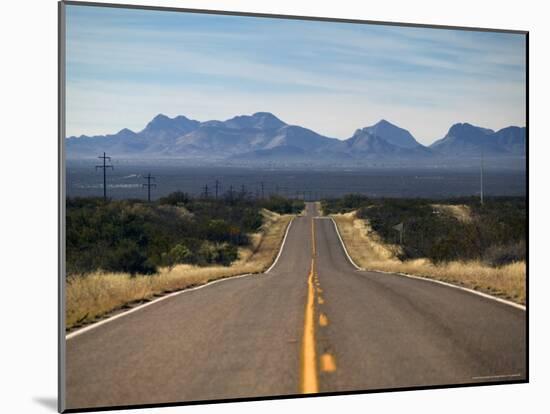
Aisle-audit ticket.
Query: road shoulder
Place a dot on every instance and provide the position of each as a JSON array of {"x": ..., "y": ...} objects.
[
  {"x": 367, "y": 252},
  {"x": 102, "y": 296}
]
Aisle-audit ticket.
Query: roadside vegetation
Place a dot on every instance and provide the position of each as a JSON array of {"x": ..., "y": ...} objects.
[
  {"x": 120, "y": 253},
  {"x": 458, "y": 240}
]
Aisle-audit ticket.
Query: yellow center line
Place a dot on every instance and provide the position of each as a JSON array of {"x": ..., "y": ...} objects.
[
  {"x": 320, "y": 300},
  {"x": 323, "y": 320},
  {"x": 309, "y": 382},
  {"x": 313, "y": 240}
]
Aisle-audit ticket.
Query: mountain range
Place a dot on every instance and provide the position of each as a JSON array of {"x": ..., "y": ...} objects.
[{"x": 264, "y": 137}]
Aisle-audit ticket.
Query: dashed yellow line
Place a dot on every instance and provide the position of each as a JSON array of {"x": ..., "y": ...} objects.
[
  {"x": 313, "y": 239},
  {"x": 309, "y": 381},
  {"x": 327, "y": 363},
  {"x": 309, "y": 376}
]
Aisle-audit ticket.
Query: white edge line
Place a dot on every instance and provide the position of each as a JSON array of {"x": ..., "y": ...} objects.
[
  {"x": 440, "y": 282},
  {"x": 135, "y": 309},
  {"x": 179, "y": 292},
  {"x": 281, "y": 248},
  {"x": 344, "y": 246}
]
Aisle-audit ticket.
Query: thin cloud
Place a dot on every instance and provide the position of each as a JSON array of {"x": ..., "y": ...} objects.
[{"x": 124, "y": 66}]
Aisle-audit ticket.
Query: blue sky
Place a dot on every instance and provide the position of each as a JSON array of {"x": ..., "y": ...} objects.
[{"x": 125, "y": 66}]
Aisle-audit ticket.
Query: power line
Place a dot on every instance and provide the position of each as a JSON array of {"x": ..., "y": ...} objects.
[
  {"x": 148, "y": 177},
  {"x": 104, "y": 167}
]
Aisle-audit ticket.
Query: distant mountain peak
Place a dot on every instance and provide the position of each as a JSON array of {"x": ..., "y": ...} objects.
[
  {"x": 469, "y": 140},
  {"x": 261, "y": 120},
  {"x": 465, "y": 128},
  {"x": 265, "y": 115},
  {"x": 157, "y": 122},
  {"x": 162, "y": 126},
  {"x": 162, "y": 119},
  {"x": 384, "y": 122},
  {"x": 181, "y": 118},
  {"x": 390, "y": 133}
]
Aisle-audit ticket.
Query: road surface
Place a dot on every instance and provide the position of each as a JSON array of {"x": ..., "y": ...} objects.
[{"x": 312, "y": 324}]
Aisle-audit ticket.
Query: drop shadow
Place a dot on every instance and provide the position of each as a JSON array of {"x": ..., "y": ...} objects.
[{"x": 48, "y": 402}]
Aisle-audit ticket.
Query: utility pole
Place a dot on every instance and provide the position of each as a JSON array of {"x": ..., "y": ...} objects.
[
  {"x": 231, "y": 192},
  {"x": 217, "y": 187},
  {"x": 262, "y": 184},
  {"x": 206, "y": 191},
  {"x": 149, "y": 177},
  {"x": 243, "y": 190},
  {"x": 104, "y": 167}
]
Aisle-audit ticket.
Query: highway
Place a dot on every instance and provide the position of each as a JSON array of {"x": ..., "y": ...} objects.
[{"x": 313, "y": 324}]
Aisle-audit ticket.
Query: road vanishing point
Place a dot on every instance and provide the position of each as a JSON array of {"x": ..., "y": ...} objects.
[{"x": 312, "y": 324}]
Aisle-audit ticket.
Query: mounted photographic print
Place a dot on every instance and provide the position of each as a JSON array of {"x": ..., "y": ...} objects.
[{"x": 263, "y": 206}]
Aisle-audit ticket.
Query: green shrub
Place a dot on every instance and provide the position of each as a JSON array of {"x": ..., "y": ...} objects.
[
  {"x": 283, "y": 205},
  {"x": 177, "y": 255},
  {"x": 217, "y": 253},
  {"x": 218, "y": 230},
  {"x": 500, "y": 255},
  {"x": 136, "y": 237},
  {"x": 496, "y": 232},
  {"x": 344, "y": 204},
  {"x": 175, "y": 198},
  {"x": 128, "y": 257},
  {"x": 226, "y": 254}
]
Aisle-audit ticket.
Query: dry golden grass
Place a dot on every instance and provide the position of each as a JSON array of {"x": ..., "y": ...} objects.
[
  {"x": 461, "y": 212},
  {"x": 93, "y": 296},
  {"x": 368, "y": 251}
]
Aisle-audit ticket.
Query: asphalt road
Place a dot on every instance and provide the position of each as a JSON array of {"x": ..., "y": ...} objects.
[{"x": 312, "y": 324}]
